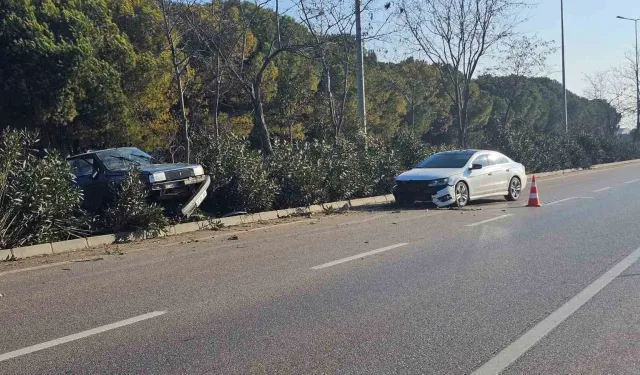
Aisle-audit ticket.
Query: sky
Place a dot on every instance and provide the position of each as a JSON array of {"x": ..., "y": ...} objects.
[{"x": 594, "y": 38}]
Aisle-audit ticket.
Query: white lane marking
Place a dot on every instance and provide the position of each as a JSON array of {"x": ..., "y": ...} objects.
[
  {"x": 512, "y": 352},
  {"x": 632, "y": 181},
  {"x": 360, "y": 221},
  {"x": 358, "y": 256},
  {"x": 34, "y": 268},
  {"x": 564, "y": 200},
  {"x": 78, "y": 336},
  {"x": 603, "y": 189},
  {"x": 489, "y": 220},
  {"x": 419, "y": 216}
]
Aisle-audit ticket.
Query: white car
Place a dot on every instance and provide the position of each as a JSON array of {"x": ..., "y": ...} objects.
[{"x": 457, "y": 177}]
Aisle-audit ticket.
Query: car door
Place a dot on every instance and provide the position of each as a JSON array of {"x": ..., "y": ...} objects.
[
  {"x": 92, "y": 181},
  {"x": 498, "y": 175},
  {"x": 479, "y": 178}
]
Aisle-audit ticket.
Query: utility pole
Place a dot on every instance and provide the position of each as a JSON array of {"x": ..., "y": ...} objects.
[
  {"x": 637, "y": 72},
  {"x": 362, "y": 111},
  {"x": 564, "y": 79}
]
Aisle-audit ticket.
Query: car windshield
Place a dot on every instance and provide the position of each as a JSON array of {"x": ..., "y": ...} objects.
[
  {"x": 123, "y": 158},
  {"x": 446, "y": 160}
]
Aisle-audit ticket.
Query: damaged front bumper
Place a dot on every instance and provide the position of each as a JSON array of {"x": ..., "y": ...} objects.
[
  {"x": 191, "y": 190},
  {"x": 441, "y": 196},
  {"x": 444, "y": 197},
  {"x": 196, "y": 198}
]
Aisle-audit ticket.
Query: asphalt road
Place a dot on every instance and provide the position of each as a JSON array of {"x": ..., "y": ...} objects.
[{"x": 498, "y": 287}]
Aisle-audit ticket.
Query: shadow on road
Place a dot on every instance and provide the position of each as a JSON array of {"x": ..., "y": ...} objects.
[{"x": 477, "y": 205}]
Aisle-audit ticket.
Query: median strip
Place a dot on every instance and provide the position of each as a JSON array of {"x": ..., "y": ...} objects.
[
  {"x": 359, "y": 256},
  {"x": 78, "y": 336}
]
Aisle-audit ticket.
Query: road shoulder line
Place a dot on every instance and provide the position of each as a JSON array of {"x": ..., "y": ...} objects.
[{"x": 516, "y": 349}]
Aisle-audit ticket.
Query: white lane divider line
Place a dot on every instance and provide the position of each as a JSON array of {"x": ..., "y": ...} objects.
[
  {"x": 489, "y": 220},
  {"x": 35, "y": 268},
  {"x": 632, "y": 181},
  {"x": 358, "y": 256},
  {"x": 603, "y": 189},
  {"x": 512, "y": 352},
  {"x": 565, "y": 200},
  {"x": 78, "y": 336}
]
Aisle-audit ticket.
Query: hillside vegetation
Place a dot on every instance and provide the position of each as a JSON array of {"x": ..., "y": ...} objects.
[{"x": 266, "y": 103}]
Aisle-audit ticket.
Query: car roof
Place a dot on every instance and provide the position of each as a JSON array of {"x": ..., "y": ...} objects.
[
  {"x": 467, "y": 152},
  {"x": 96, "y": 151}
]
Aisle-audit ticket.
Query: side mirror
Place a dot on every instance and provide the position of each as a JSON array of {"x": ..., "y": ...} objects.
[{"x": 475, "y": 166}]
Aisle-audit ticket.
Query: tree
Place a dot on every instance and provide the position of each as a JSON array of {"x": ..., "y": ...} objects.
[
  {"x": 81, "y": 72},
  {"x": 180, "y": 59},
  {"x": 331, "y": 24},
  {"x": 455, "y": 35},
  {"x": 283, "y": 38},
  {"x": 324, "y": 19},
  {"x": 605, "y": 86},
  {"x": 521, "y": 57}
]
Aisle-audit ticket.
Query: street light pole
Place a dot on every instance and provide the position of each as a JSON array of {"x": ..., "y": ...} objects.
[
  {"x": 362, "y": 111},
  {"x": 564, "y": 79},
  {"x": 637, "y": 72}
]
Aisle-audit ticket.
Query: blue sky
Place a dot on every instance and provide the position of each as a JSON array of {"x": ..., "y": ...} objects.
[{"x": 594, "y": 38}]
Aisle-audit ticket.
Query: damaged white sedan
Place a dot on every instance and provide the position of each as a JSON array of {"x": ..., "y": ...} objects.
[{"x": 457, "y": 177}]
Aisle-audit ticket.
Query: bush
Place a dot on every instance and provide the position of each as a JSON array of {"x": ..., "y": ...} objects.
[
  {"x": 130, "y": 210},
  {"x": 300, "y": 172},
  {"x": 240, "y": 176},
  {"x": 38, "y": 202},
  {"x": 543, "y": 152}
]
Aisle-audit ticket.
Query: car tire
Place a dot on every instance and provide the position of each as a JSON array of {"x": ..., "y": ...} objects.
[
  {"x": 515, "y": 189},
  {"x": 462, "y": 194}
]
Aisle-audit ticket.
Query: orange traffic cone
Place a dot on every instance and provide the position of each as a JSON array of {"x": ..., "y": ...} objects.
[{"x": 534, "y": 200}]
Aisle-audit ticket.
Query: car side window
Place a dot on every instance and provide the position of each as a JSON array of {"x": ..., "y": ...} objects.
[
  {"x": 82, "y": 167},
  {"x": 495, "y": 159},
  {"x": 504, "y": 160},
  {"x": 482, "y": 160}
]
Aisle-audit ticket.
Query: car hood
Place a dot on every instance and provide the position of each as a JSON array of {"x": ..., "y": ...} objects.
[
  {"x": 153, "y": 168},
  {"x": 428, "y": 174}
]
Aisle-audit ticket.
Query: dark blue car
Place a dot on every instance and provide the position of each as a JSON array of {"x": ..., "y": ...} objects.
[{"x": 97, "y": 171}]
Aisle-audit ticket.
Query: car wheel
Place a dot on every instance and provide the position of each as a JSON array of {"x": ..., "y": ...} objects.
[
  {"x": 515, "y": 189},
  {"x": 462, "y": 194}
]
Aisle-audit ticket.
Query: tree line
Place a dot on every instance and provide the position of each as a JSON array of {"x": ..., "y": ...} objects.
[{"x": 158, "y": 74}]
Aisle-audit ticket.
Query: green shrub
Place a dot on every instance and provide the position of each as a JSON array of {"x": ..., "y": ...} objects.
[
  {"x": 38, "y": 202},
  {"x": 300, "y": 172},
  {"x": 240, "y": 176},
  {"x": 130, "y": 210}
]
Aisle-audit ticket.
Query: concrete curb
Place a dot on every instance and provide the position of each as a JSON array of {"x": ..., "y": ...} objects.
[
  {"x": 5, "y": 255},
  {"x": 597, "y": 166},
  {"x": 30, "y": 251},
  {"x": 108, "y": 239}
]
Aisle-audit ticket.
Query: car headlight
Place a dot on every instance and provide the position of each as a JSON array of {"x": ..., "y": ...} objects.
[
  {"x": 439, "y": 182},
  {"x": 157, "y": 177},
  {"x": 198, "y": 171}
]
